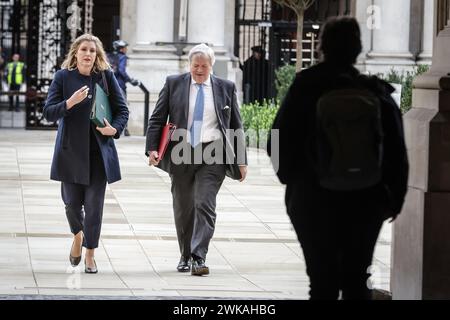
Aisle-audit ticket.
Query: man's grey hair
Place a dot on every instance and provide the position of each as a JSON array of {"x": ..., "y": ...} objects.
[{"x": 202, "y": 50}]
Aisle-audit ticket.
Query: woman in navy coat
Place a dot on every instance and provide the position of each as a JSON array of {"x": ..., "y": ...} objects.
[{"x": 85, "y": 157}]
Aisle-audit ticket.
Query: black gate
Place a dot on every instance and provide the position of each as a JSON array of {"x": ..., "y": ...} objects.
[
  {"x": 41, "y": 31},
  {"x": 272, "y": 29},
  {"x": 12, "y": 40},
  {"x": 52, "y": 26},
  {"x": 13, "y": 31},
  {"x": 252, "y": 33}
]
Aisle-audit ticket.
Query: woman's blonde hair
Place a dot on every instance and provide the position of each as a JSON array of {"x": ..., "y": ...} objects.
[{"x": 100, "y": 63}]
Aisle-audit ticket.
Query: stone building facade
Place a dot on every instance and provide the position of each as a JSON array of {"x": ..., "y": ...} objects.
[
  {"x": 161, "y": 33},
  {"x": 396, "y": 34}
]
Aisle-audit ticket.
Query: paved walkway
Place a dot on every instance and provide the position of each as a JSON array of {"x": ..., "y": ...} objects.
[
  {"x": 254, "y": 252},
  {"x": 11, "y": 119}
]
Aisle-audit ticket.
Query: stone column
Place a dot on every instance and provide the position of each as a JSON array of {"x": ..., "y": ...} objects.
[
  {"x": 232, "y": 72},
  {"x": 427, "y": 36},
  {"x": 390, "y": 42},
  {"x": 206, "y": 22},
  {"x": 209, "y": 22},
  {"x": 128, "y": 21},
  {"x": 148, "y": 26},
  {"x": 154, "y": 20},
  {"x": 366, "y": 16},
  {"x": 421, "y": 239}
]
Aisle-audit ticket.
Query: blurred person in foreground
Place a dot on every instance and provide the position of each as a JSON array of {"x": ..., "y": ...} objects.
[{"x": 343, "y": 159}]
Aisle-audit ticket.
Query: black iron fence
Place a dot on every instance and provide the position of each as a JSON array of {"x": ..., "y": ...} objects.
[
  {"x": 252, "y": 46},
  {"x": 41, "y": 32},
  {"x": 271, "y": 31}
]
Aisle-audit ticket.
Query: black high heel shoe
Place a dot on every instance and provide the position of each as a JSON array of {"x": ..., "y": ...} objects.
[
  {"x": 74, "y": 261},
  {"x": 90, "y": 270}
]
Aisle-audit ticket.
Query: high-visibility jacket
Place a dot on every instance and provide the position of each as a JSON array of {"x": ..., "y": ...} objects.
[{"x": 19, "y": 72}]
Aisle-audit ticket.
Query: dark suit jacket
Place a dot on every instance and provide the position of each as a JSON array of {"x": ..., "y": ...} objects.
[
  {"x": 173, "y": 106},
  {"x": 71, "y": 157}
]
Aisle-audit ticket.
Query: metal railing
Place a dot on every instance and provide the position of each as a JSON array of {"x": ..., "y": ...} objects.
[{"x": 146, "y": 105}]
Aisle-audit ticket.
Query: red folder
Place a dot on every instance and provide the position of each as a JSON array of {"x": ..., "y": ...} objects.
[{"x": 166, "y": 135}]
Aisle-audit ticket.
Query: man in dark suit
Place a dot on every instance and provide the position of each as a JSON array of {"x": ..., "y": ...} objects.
[{"x": 207, "y": 145}]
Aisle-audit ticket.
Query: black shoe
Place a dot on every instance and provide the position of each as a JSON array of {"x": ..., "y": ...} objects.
[
  {"x": 74, "y": 261},
  {"x": 126, "y": 132},
  {"x": 90, "y": 270},
  {"x": 184, "y": 265},
  {"x": 17, "y": 110},
  {"x": 199, "y": 268}
]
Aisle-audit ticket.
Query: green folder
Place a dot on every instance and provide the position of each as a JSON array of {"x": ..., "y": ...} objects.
[{"x": 101, "y": 107}]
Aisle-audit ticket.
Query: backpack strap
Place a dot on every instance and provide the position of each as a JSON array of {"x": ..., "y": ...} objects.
[{"x": 105, "y": 83}]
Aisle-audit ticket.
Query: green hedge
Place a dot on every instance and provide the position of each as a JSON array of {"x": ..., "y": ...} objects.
[
  {"x": 257, "y": 120},
  {"x": 406, "y": 80},
  {"x": 285, "y": 75}
]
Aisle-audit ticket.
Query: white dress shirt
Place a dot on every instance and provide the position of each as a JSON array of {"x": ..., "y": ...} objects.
[{"x": 210, "y": 127}]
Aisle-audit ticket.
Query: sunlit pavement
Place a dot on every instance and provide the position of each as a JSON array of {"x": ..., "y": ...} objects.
[{"x": 254, "y": 253}]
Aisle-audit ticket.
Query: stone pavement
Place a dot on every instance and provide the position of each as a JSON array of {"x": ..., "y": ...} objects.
[
  {"x": 11, "y": 119},
  {"x": 254, "y": 253}
]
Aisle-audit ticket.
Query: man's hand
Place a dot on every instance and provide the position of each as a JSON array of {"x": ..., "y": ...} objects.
[
  {"x": 243, "y": 170},
  {"x": 108, "y": 130},
  {"x": 134, "y": 82},
  {"x": 77, "y": 97},
  {"x": 153, "y": 158}
]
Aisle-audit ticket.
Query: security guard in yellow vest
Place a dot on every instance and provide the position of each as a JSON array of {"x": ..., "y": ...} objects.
[{"x": 15, "y": 76}]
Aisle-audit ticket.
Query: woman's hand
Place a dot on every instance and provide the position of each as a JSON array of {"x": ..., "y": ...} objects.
[
  {"x": 108, "y": 130},
  {"x": 77, "y": 97}
]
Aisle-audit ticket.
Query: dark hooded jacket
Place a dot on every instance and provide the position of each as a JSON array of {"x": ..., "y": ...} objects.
[{"x": 296, "y": 120}]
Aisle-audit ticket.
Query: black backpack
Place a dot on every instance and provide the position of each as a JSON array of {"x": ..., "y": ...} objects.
[{"x": 348, "y": 139}]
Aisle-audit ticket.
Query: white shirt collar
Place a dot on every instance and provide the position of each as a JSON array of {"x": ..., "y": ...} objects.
[{"x": 206, "y": 83}]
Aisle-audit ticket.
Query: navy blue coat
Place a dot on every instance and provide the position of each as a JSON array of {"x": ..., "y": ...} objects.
[
  {"x": 71, "y": 156},
  {"x": 121, "y": 73}
]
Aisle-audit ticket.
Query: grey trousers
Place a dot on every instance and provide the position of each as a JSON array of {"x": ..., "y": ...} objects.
[{"x": 194, "y": 192}]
